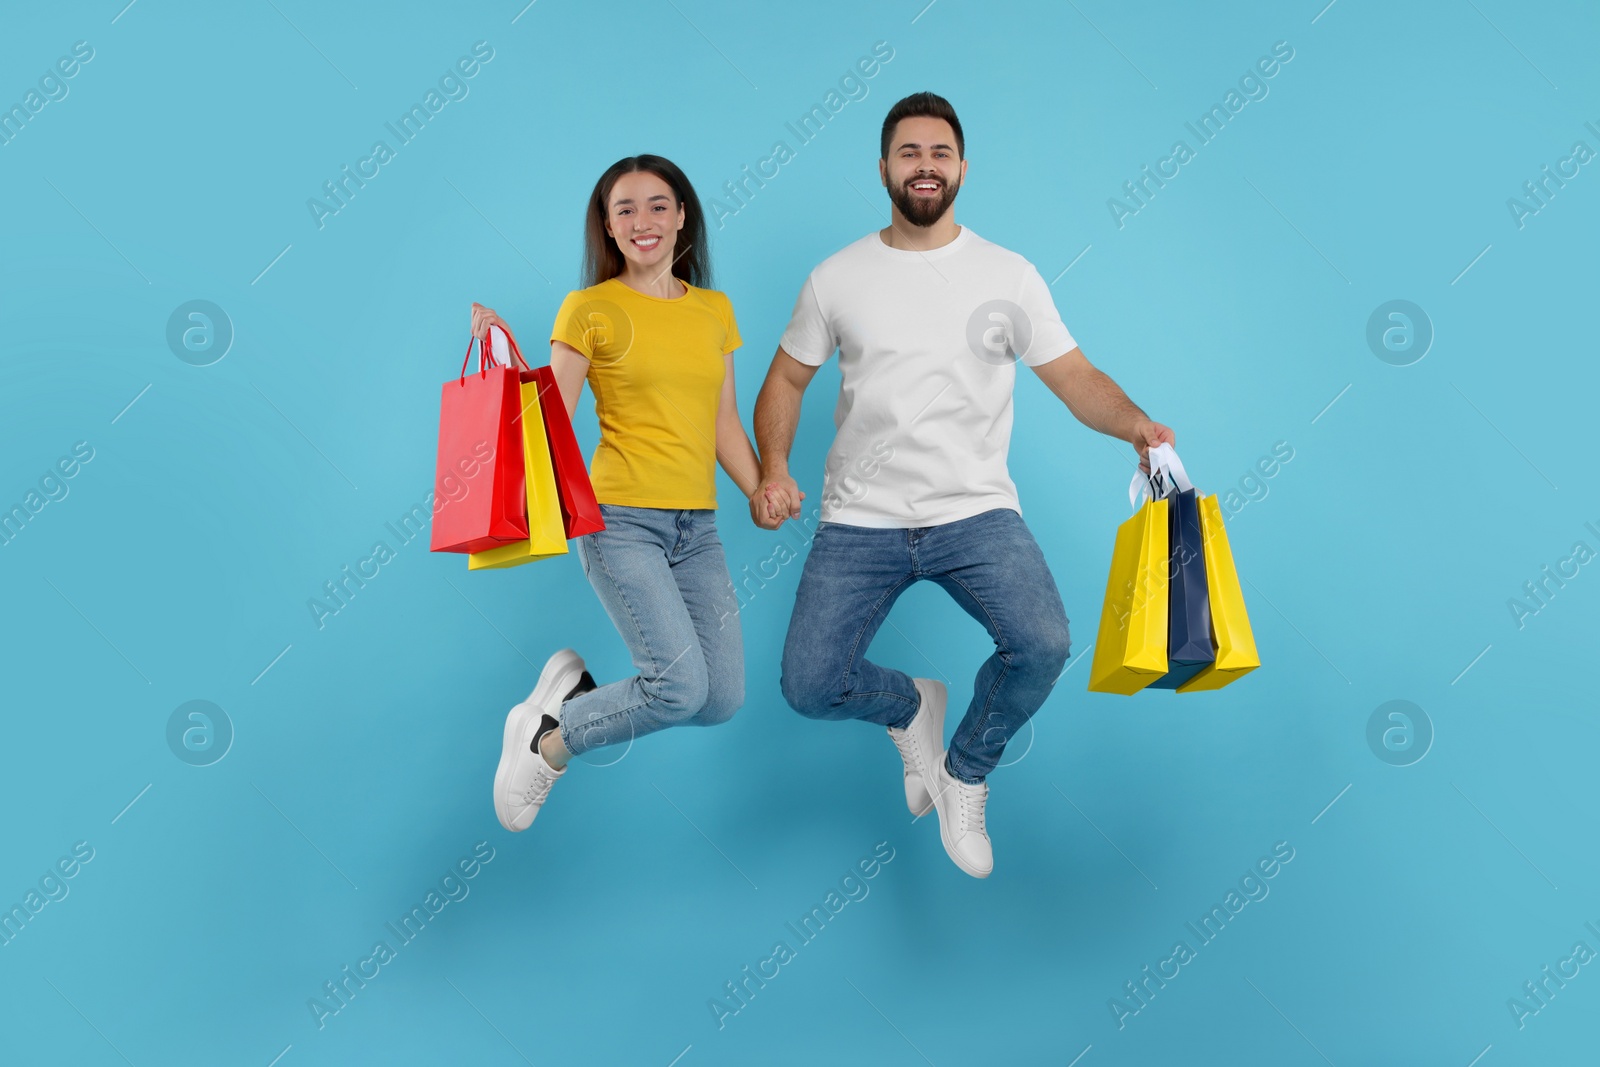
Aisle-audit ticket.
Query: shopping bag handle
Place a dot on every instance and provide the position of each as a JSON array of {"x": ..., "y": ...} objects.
[
  {"x": 1166, "y": 477},
  {"x": 487, "y": 356}
]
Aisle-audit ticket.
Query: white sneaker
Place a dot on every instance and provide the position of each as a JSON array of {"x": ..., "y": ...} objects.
[
  {"x": 524, "y": 777},
  {"x": 921, "y": 742},
  {"x": 960, "y": 808}
]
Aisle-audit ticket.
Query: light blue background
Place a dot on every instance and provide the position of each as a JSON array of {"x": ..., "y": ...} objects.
[{"x": 1232, "y": 307}]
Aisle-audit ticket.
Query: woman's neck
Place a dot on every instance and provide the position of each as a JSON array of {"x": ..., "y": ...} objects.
[{"x": 660, "y": 284}]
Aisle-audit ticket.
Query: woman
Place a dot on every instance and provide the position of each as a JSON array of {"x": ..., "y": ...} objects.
[{"x": 655, "y": 343}]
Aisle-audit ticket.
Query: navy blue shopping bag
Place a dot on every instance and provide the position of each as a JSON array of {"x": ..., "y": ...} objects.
[{"x": 1189, "y": 645}]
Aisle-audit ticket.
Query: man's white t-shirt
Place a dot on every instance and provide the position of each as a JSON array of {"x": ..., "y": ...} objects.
[{"x": 928, "y": 344}]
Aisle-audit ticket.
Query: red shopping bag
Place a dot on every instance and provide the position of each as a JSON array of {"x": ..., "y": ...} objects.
[
  {"x": 479, "y": 490},
  {"x": 580, "y": 514}
]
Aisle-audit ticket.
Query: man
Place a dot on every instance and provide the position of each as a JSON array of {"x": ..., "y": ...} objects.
[{"x": 929, "y": 320}]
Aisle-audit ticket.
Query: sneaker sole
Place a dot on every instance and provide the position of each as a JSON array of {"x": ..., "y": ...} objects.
[
  {"x": 955, "y": 857},
  {"x": 920, "y": 812},
  {"x": 562, "y": 669},
  {"x": 937, "y": 710}
]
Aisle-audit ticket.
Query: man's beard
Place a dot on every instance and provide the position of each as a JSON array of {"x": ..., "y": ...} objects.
[{"x": 923, "y": 211}]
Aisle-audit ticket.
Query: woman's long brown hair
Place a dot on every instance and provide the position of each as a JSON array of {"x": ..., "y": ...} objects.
[{"x": 602, "y": 259}]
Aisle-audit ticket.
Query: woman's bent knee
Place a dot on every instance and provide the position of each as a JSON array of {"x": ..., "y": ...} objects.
[
  {"x": 721, "y": 702},
  {"x": 677, "y": 696}
]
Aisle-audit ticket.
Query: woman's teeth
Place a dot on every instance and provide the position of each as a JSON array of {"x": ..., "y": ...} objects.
[{"x": 645, "y": 244}]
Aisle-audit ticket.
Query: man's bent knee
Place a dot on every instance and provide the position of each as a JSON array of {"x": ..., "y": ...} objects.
[
  {"x": 1044, "y": 651},
  {"x": 809, "y": 691}
]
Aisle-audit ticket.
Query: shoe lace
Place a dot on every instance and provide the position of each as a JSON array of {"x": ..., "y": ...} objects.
[
  {"x": 539, "y": 785},
  {"x": 908, "y": 750},
  {"x": 972, "y": 798}
]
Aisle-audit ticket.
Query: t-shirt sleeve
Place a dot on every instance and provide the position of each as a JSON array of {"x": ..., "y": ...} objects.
[
  {"x": 732, "y": 340},
  {"x": 572, "y": 326},
  {"x": 1050, "y": 337},
  {"x": 809, "y": 338}
]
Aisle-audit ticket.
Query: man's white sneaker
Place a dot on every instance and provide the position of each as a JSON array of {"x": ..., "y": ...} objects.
[
  {"x": 960, "y": 808},
  {"x": 921, "y": 743},
  {"x": 524, "y": 777}
]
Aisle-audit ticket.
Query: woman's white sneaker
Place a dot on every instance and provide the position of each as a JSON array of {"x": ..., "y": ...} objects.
[
  {"x": 528, "y": 783},
  {"x": 961, "y": 828},
  {"x": 921, "y": 743},
  {"x": 523, "y": 779}
]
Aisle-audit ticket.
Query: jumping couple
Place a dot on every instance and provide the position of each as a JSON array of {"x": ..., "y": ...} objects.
[{"x": 929, "y": 320}]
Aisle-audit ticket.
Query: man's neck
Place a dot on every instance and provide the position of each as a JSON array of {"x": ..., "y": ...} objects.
[{"x": 901, "y": 234}]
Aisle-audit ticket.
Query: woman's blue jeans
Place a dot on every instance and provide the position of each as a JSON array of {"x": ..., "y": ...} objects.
[{"x": 662, "y": 577}]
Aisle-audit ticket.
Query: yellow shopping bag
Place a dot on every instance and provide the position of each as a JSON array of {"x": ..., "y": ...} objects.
[
  {"x": 1131, "y": 649},
  {"x": 546, "y": 536},
  {"x": 1230, "y": 626}
]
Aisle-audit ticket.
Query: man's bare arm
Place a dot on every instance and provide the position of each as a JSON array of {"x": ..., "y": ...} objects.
[
  {"x": 1099, "y": 403},
  {"x": 777, "y": 416}
]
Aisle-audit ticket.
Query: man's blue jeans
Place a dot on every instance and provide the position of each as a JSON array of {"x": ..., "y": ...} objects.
[
  {"x": 661, "y": 575},
  {"x": 990, "y": 564}
]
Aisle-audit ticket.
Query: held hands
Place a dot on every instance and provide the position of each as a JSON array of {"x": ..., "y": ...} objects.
[
  {"x": 777, "y": 497},
  {"x": 1146, "y": 435}
]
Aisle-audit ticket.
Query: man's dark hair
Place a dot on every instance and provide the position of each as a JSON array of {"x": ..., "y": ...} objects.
[{"x": 922, "y": 105}]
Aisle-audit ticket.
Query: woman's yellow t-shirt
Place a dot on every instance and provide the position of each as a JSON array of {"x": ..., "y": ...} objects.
[{"x": 656, "y": 368}]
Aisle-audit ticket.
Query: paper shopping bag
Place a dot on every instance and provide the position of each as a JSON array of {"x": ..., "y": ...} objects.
[
  {"x": 580, "y": 514},
  {"x": 545, "y": 535},
  {"x": 478, "y": 473},
  {"x": 1131, "y": 649},
  {"x": 1230, "y": 625},
  {"x": 1189, "y": 647}
]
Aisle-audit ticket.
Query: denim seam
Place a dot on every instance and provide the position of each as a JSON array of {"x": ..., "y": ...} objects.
[
  {"x": 1005, "y": 664},
  {"x": 850, "y": 661},
  {"x": 606, "y": 718},
  {"x": 879, "y": 693},
  {"x": 644, "y": 637},
  {"x": 688, "y": 534},
  {"x": 704, "y": 538}
]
